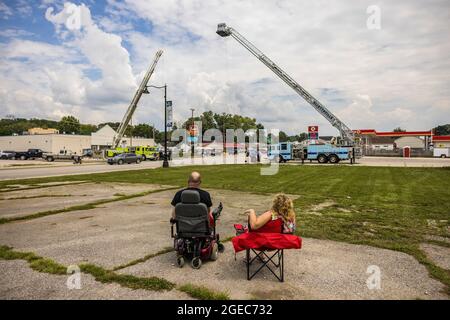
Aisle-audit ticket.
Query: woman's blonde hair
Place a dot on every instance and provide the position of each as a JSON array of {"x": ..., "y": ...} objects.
[{"x": 283, "y": 206}]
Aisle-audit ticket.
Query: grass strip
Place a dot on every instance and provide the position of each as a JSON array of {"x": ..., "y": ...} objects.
[
  {"x": 107, "y": 276},
  {"x": 36, "y": 263},
  {"x": 147, "y": 257},
  {"x": 34, "y": 186},
  {"x": 203, "y": 293},
  {"x": 39, "y": 196}
]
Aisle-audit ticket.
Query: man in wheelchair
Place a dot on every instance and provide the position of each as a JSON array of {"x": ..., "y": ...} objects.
[{"x": 195, "y": 237}]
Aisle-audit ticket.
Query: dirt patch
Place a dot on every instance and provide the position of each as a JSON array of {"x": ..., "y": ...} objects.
[
  {"x": 438, "y": 238},
  {"x": 273, "y": 294},
  {"x": 315, "y": 209},
  {"x": 439, "y": 255}
]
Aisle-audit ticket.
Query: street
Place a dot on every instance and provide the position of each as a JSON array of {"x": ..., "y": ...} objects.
[
  {"x": 17, "y": 169},
  {"x": 39, "y": 169}
]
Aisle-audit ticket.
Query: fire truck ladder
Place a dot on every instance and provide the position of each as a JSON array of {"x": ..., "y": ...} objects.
[
  {"x": 133, "y": 105},
  {"x": 347, "y": 135}
]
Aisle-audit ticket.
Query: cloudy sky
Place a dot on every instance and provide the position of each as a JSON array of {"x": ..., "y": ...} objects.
[{"x": 53, "y": 64}]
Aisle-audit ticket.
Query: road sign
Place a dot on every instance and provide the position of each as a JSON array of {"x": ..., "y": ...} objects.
[{"x": 193, "y": 130}]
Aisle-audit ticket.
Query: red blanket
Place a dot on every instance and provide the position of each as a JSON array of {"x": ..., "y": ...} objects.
[
  {"x": 266, "y": 241},
  {"x": 265, "y": 238}
]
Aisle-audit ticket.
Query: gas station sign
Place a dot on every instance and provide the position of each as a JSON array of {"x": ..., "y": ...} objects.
[{"x": 313, "y": 132}]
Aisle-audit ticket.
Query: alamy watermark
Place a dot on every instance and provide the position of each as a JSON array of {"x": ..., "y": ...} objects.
[
  {"x": 374, "y": 19},
  {"x": 74, "y": 279},
  {"x": 373, "y": 282}
]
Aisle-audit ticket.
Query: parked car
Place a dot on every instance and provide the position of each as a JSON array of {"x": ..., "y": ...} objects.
[
  {"x": 87, "y": 153},
  {"x": 29, "y": 154},
  {"x": 125, "y": 158},
  {"x": 62, "y": 155},
  {"x": 7, "y": 155}
]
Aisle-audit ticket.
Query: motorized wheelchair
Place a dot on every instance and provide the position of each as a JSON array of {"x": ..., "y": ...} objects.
[{"x": 195, "y": 234}]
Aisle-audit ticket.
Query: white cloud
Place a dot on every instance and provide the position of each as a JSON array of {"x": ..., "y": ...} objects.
[
  {"x": 398, "y": 75},
  {"x": 5, "y": 11},
  {"x": 15, "y": 33},
  {"x": 24, "y": 8}
]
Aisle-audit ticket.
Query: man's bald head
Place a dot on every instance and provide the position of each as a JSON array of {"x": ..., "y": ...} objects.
[{"x": 194, "y": 179}]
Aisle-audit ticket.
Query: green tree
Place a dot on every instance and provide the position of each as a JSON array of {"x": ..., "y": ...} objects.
[
  {"x": 398, "y": 129},
  {"x": 207, "y": 119},
  {"x": 283, "y": 137},
  {"x": 69, "y": 124},
  {"x": 442, "y": 130},
  {"x": 302, "y": 136},
  {"x": 144, "y": 130},
  {"x": 87, "y": 129}
]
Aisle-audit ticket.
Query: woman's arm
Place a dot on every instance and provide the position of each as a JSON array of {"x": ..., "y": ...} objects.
[{"x": 257, "y": 222}]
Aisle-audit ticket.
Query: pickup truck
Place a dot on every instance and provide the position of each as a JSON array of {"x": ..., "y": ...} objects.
[
  {"x": 62, "y": 155},
  {"x": 29, "y": 154}
]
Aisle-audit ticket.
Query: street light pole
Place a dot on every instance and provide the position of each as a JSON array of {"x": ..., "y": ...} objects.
[{"x": 165, "y": 160}]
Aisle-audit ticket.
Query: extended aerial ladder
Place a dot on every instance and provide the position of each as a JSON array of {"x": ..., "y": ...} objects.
[
  {"x": 133, "y": 105},
  {"x": 347, "y": 135}
]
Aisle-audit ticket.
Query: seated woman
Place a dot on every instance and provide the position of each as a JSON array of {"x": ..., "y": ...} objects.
[{"x": 282, "y": 213}]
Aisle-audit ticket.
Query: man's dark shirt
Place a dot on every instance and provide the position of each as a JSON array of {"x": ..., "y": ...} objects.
[{"x": 204, "y": 197}]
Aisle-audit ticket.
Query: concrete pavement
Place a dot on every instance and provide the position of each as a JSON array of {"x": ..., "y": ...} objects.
[{"x": 119, "y": 232}]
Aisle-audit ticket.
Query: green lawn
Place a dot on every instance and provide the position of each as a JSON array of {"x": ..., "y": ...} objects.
[{"x": 395, "y": 208}]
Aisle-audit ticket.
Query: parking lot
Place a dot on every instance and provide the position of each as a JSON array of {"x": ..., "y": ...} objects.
[{"x": 126, "y": 229}]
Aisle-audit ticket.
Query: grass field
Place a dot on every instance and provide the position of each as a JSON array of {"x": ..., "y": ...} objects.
[{"x": 394, "y": 208}]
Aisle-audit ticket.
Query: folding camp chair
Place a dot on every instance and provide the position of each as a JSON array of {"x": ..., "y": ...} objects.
[
  {"x": 266, "y": 261},
  {"x": 267, "y": 247}
]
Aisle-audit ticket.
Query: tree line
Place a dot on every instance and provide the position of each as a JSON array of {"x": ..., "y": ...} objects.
[{"x": 209, "y": 119}]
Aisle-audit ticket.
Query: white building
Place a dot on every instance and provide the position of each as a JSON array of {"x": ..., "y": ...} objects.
[
  {"x": 54, "y": 143},
  {"x": 51, "y": 143}
]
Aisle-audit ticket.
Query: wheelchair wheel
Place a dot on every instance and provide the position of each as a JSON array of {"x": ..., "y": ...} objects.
[
  {"x": 180, "y": 261},
  {"x": 221, "y": 247},
  {"x": 214, "y": 252},
  {"x": 196, "y": 263}
]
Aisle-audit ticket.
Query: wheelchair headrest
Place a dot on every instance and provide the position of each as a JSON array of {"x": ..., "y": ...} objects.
[{"x": 190, "y": 196}]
